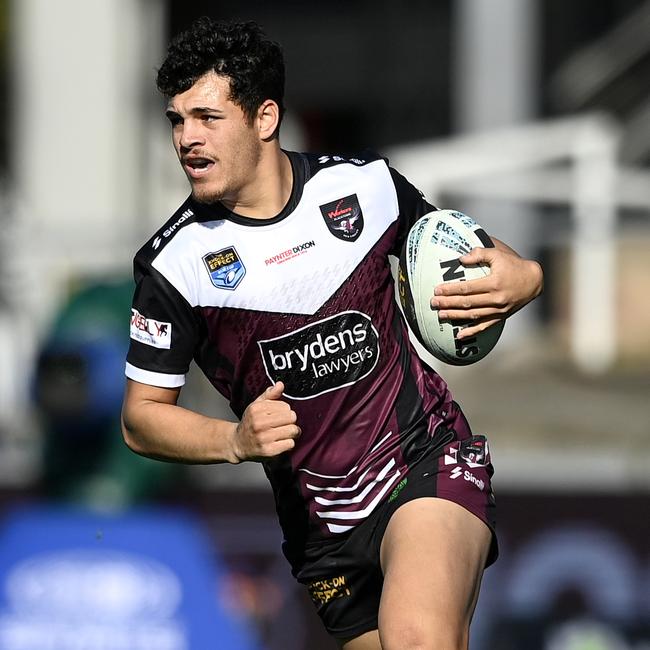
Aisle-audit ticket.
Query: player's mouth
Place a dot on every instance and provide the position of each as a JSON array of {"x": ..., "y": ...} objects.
[{"x": 196, "y": 167}]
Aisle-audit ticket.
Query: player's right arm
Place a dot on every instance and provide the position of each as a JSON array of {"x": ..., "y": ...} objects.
[
  {"x": 154, "y": 425},
  {"x": 165, "y": 332}
]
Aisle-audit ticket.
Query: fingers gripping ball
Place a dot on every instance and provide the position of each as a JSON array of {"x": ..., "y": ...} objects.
[{"x": 430, "y": 257}]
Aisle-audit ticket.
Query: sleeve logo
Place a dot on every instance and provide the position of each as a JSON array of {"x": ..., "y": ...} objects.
[
  {"x": 155, "y": 333},
  {"x": 225, "y": 268}
]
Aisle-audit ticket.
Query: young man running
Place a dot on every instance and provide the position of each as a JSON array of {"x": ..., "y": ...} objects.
[{"x": 274, "y": 277}]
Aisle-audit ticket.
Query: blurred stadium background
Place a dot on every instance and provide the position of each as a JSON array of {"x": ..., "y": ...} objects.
[{"x": 531, "y": 115}]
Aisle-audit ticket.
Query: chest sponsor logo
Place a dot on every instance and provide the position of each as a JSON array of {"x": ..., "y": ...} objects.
[
  {"x": 324, "y": 356},
  {"x": 344, "y": 217},
  {"x": 225, "y": 267},
  {"x": 155, "y": 333},
  {"x": 290, "y": 253}
]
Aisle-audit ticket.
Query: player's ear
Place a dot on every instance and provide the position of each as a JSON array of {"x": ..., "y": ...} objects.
[{"x": 268, "y": 119}]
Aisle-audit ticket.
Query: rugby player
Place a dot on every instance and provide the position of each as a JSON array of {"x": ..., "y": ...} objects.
[{"x": 274, "y": 277}]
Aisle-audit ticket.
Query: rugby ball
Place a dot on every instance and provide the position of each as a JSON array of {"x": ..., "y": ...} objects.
[{"x": 430, "y": 257}]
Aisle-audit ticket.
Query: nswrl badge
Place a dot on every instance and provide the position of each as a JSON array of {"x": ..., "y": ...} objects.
[{"x": 225, "y": 268}]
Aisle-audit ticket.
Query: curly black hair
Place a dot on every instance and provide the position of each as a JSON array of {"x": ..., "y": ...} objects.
[{"x": 241, "y": 52}]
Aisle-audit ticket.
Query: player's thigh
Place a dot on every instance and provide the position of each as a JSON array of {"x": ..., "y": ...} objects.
[
  {"x": 433, "y": 554},
  {"x": 366, "y": 641}
]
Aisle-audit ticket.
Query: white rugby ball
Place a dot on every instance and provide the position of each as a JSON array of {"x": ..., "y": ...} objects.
[{"x": 430, "y": 257}]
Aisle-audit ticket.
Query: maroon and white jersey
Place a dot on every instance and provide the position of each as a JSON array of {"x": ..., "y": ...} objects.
[{"x": 305, "y": 297}]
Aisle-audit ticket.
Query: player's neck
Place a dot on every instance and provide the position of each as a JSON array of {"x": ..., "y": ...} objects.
[{"x": 269, "y": 193}]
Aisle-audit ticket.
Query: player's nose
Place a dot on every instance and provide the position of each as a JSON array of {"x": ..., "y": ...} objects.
[{"x": 190, "y": 135}]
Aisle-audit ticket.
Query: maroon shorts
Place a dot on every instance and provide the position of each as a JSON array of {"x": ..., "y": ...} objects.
[{"x": 344, "y": 578}]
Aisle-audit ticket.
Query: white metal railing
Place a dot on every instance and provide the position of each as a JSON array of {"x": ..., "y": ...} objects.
[{"x": 573, "y": 161}]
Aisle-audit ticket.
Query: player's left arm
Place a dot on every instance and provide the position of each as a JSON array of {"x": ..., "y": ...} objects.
[{"x": 512, "y": 283}]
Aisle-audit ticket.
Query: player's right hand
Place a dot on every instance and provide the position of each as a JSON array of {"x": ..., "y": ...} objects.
[{"x": 267, "y": 428}]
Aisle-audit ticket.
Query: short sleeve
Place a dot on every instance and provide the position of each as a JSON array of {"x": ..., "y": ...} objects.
[
  {"x": 411, "y": 204},
  {"x": 164, "y": 331}
]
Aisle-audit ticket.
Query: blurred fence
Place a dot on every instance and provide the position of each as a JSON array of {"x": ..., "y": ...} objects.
[{"x": 570, "y": 162}]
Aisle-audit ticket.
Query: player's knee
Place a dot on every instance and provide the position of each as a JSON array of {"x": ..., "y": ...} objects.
[{"x": 414, "y": 635}]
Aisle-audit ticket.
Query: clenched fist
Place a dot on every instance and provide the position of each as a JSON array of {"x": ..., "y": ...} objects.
[{"x": 267, "y": 428}]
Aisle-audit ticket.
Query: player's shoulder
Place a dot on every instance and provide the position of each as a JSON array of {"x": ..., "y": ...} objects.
[
  {"x": 318, "y": 162},
  {"x": 181, "y": 218}
]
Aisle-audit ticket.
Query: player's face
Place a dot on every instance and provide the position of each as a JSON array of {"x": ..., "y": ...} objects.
[{"x": 216, "y": 144}]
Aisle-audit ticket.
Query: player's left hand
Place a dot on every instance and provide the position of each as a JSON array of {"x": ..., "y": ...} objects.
[{"x": 512, "y": 283}]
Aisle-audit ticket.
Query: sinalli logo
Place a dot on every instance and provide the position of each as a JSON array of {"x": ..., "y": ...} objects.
[
  {"x": 168, "y": 232},
  {"x": 457, "y": 472}
]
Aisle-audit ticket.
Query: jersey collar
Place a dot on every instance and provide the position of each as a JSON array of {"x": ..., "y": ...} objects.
[{"x": 218, "y": 211}]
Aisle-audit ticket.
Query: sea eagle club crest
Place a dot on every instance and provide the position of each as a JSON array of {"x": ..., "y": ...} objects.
[{"x": 344, "y": 217}]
